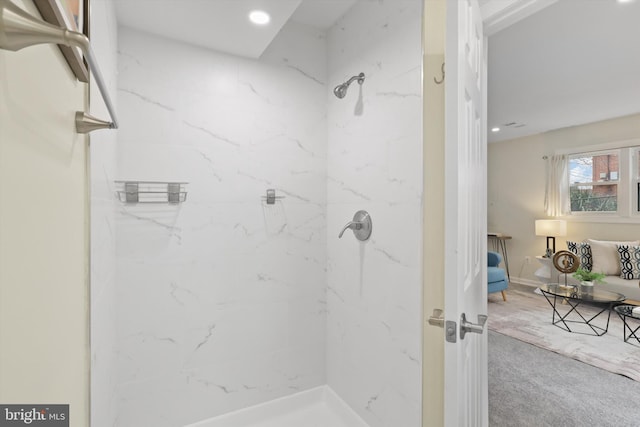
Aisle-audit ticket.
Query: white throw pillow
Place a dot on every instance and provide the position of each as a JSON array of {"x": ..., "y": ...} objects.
[{"x": 606, "y": 258}]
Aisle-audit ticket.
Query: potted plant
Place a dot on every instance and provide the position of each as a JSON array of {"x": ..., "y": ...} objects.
[{"x": 588, "y": 277}]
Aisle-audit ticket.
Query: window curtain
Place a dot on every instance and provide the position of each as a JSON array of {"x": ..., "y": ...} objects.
[{"x": 556, "y": 198}]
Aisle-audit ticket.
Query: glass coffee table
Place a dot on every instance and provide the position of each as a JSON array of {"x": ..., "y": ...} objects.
[
  {"x": 586, "y": 307},
  {"x": 625, "y": 312}
]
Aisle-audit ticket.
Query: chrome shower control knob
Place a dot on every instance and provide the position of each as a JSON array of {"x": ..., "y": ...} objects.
[{"x": 361, "y": 226}]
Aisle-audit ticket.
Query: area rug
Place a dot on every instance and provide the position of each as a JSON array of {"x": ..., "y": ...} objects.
[{"x": 526, "y": 316}]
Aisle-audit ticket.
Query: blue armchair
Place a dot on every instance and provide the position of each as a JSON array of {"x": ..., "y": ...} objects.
[{"x": 497, "y": 280}]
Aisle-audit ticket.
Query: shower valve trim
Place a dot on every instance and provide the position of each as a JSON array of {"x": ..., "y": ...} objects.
[{"x": 361, "y": 226}]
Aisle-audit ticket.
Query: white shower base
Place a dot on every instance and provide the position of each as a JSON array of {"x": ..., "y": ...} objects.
[{"x": 318, "y": 407}]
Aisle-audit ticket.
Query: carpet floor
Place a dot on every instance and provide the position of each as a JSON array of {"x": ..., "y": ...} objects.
[
  {"x": 526, "y": 316},
  {"x": 530, "y": 386}
]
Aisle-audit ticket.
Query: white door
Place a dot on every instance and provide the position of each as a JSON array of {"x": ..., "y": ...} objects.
[
  {"x": 455, "y": 391},
  {"x": 465, "y": 270}
]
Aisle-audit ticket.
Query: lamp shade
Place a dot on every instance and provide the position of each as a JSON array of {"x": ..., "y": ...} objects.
[{"x": 551, "y": 227}]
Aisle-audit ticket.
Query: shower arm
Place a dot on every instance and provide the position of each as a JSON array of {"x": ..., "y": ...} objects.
[
  {"x": 19, "y": 29},
  {"x": 359, "y": 77}
]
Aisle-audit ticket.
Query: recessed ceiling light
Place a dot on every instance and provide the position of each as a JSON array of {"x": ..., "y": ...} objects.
[
  {"x": 626, "y": 1},
  {"x": 495, "y": 129},
  {"x": 259, "y": 17}
]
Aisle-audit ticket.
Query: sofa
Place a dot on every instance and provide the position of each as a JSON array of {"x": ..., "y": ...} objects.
[{"x": 618, "y": 260}]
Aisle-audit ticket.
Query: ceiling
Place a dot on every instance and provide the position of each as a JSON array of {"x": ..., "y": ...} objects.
[
  {"x": 222, "y": 25},
  {"x": 573, "y": 62},
  {"x": 321, "y": 14}
]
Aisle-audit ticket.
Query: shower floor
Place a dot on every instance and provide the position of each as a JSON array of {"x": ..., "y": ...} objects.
[{"x": 318, "y": 407}]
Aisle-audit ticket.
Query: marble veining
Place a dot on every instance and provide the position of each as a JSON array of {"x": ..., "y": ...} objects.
[
  {"x": 205, "y": 340},
  {"x": 389, "y": 256},
  {"x": 179, "y": 293},
  {"x": 214, "y": 135},
  {"x": 147, "y": 99},
  {"x": 304, "y": 73},
  {"x": 343, "y": 186}
]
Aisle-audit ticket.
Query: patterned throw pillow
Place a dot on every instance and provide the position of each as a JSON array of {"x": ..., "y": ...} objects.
[
  {"x": 629, "y": 261},
  {"x": 583, "y": 251},
  {"x": 606, "y": 258}
]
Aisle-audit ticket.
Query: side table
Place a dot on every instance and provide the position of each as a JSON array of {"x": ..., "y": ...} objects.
[
  {"x": 625, "y": 312},
  {"x": 547, "y": 273}
]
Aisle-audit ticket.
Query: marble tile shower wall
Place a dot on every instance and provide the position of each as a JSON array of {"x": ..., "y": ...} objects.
[
  {"x": 375, "y": 163},
  {"x": 103, "y": 228},
  {"x": 221, "y": 300}
]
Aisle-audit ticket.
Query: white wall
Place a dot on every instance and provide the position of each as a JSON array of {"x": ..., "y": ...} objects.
[
  {"x": 221, "y": 300},
  {"x": 516, "y": 180},
  {"x": 103, "y": 234},
  {"x": 375, "y": 163},
  {"x": 44, "y": 336}
]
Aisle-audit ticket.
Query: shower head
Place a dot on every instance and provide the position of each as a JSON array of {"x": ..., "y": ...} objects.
[{"x": 341, "y": 90}]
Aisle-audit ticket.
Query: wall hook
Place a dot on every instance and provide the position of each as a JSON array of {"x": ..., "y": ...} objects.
[{"x": 441, "y": 80}]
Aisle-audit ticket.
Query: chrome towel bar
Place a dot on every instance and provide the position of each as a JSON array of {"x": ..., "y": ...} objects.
[{"x": 19, "y": 29}]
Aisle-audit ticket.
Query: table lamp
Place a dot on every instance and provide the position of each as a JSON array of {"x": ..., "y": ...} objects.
[{"x": 551, "y": 228}]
